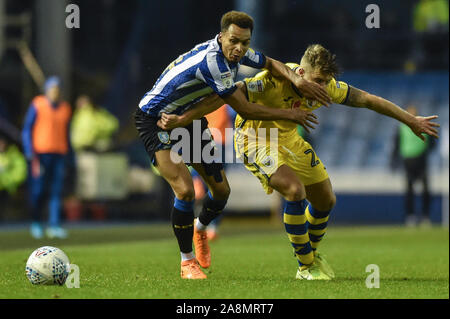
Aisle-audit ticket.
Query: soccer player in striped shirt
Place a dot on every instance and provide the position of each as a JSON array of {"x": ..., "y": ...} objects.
[
  {"x": 293, "y": 169},
  {"x": 209, "y": 67}
]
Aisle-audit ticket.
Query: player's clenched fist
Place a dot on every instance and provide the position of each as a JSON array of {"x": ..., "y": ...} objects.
[{"x": 169, "y": 121}]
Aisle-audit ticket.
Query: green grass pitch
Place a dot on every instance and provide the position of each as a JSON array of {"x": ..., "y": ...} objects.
[{"x": 251, "y": 260}]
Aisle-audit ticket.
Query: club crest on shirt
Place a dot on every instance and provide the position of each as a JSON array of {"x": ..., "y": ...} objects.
[
  {"x": 164, "y": 137},
  {"x": 268, "y": 161},
  {"x": 227, "y": 80}
]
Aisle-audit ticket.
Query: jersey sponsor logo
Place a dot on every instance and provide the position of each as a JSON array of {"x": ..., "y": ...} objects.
[
  {"x": 296, "y": 104},
  {"x": 338, "y": 85},
  {"x": 255, "y": 86},
  {"x": 164, "y": 137},
  {"x": 259, "y": 85}
]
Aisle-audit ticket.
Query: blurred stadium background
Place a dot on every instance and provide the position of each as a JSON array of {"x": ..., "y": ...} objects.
[{"x": 122, "y": 47}]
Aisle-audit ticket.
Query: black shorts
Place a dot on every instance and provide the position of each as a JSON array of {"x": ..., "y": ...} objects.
[{"x": 156, "y": 139}]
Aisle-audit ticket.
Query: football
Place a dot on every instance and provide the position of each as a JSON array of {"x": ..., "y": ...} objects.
[{"x": 47, "y": 266}]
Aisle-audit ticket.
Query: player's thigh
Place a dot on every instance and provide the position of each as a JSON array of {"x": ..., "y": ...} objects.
[
  {"x": 287, "y": 183},
  {"x": 219, "y": 187},
  {"x": 174, "y": 171},
  {"x": 321, "y": 195}
]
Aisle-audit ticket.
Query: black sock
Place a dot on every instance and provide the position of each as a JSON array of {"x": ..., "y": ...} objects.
[
  {"x": 211, "y": 209},
  {"x": 183, "y": 228}
]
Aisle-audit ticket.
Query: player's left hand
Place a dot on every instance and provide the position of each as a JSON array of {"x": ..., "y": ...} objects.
[
  {"x": 314, "y": 91},
  {"x": 306, "y": 119},
  {"x": 425, "y": 125},
  {"x": 169, "y": 121}
]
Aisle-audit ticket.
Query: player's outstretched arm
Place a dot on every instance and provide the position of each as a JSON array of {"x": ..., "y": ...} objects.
[
  {"x": 309, "y": 89},
  {"x": 239, "y": 103},
  {"x": 207, "y": 105},
  {"x": 253, "y": 111},
  {"x": 418, "y": 124}
]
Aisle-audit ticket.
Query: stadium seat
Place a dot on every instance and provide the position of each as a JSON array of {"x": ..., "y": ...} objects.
[{"x": 369, "y": 136}]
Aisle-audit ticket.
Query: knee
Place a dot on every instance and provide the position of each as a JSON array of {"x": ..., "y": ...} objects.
[
  {"x": 332, "y": 201},
  {"x": 294, "y": 192},
  {"x": 185, "y": 193},
  {"x": 327, "y": 203},
  {"x": 222, "y": 192}
]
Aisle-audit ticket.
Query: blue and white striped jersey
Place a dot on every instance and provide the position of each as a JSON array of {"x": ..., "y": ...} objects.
[{"x": 194, "y": 75}]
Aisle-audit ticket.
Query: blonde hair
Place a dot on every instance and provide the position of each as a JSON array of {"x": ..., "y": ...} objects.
[{"x": 321, "y": 59}]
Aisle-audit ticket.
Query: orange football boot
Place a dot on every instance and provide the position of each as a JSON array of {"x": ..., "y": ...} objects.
[
  {"x": 202, "y": 251},
  {"x": 212, "y": 234},
  {"x": 190, "y": 269}
]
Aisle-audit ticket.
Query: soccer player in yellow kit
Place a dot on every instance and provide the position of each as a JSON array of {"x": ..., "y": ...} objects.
[{"x": 291, "y": 166}]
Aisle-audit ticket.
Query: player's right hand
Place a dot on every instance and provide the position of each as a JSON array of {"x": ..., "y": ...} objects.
[
  {"x": 169, "y": 121},
  {"x": 305, "y": 118}
]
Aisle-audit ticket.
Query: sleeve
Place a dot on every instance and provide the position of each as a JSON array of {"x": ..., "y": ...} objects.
[
  {"x": 254, "y": 59},
  {"x": 216, "y": 73},
  {"x": 338, "y": 91},
  {"x": 27, "y": 139},
  {"x": 260, "y": 87}
]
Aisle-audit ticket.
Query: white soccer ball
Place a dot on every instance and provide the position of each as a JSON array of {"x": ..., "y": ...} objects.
[{"x": 47, "y": 266}]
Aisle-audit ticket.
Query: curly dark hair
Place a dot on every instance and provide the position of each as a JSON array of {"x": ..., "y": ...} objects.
[{"x": 241, "y": 19}]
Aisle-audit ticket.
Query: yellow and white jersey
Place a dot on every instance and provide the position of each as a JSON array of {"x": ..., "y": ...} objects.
[{"x": 267, "y": 90}]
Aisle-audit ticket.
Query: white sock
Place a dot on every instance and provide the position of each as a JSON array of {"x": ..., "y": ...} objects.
[
  {"x": 187, "y": 256},
  {"x": 200, "y": 226}
]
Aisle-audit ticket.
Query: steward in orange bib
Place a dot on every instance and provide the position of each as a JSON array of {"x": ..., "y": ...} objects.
[{"x": 46, "y": 143}]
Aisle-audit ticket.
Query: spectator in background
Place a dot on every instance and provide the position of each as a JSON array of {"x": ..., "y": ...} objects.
[
  {"x": 431, "y": 16},
  {"x": 92, "y": 130},
  {"x": 46, "y": 145},
  {"x": 430, "y": 23},
  {"x": 92, "y": 127},
  {"x": 414, "y": 155},
  {"x": 13, "y": 169}
]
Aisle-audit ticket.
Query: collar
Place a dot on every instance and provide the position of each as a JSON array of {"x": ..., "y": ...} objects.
[
  {"x": 216, "y": 41},
  {"x": 53, "y": 104}
]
